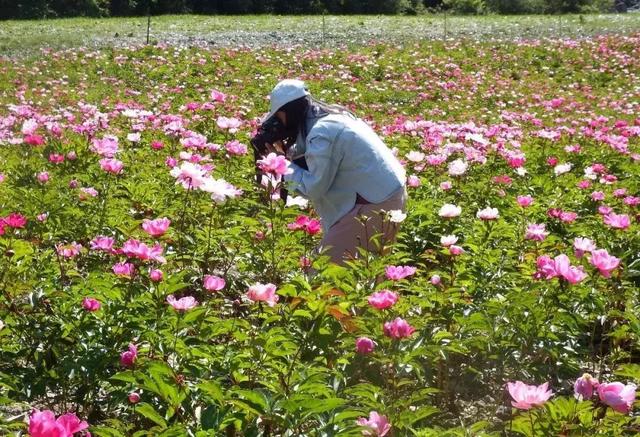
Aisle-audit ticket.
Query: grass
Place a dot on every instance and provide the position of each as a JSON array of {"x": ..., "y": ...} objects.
[{"x": 29, "y": 36}]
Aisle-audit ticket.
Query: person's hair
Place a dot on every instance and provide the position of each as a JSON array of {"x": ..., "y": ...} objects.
[{"x": 296, "y": 113}]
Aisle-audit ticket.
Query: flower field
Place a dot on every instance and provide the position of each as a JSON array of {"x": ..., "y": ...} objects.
[{"x": 150, "y": 287}]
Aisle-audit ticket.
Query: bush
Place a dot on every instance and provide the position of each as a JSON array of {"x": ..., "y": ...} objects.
[{"x": 465, "y": 6}]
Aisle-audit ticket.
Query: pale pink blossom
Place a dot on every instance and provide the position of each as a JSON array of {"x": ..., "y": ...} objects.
[
  {"x": 111, "y": 165},
  {"x": 526, "y": 396},
  {"x": 189, "y": 175},
  {"x": 413, "y": 181},
  {"x": 536, "y": 232},
  {"x": 376, "y": 425},
  {"x": 213, "y": 283},
  {"x": 617, "y": 221},
  {"x": 449, "y": 211},
  {"x": 583, "y": 245},
  {"x": 584, "y": 386},
  {"x": 597, "y": 196},
  {"x": 220, "y": 189},
  {"x": 457, "y": 167},
  {"x": 124, "y": 269},
  {"x": 263, "y": 293},
  {"x": 396, "y": 273},
  {"x": 70, "y": 250},
  {"x": 488, "y": 214},
  {"x": 604, "y": 262},
  {"x": 456, "y": 250},
  {"x": 107, "y": 146},
  {"x": 43, "y": 177},
  {"x": 524, "y": 201},
  {"x": 618, "y": 396},
  {"x": 448, "y": 240},
  {"x": 183, "y": 304},
  {"x": 232, "y": 124},
  {"x": 275, "y": 164},
  {"x": 156, "y": 275}
]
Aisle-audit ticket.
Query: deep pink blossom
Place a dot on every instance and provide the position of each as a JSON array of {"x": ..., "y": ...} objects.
[
  {"x": 156, "y": 227},
  {"x": 102, "y": 243},
  {"x": 134, "y": 397},
  {"x": 528, "y": 396},
  {"x": 129, "y": 357},
  {"x": 365, "y": 345},
  {"x": 90, "y": 304},
  {"x": 45, "y": 424},
  {"x": 398, "y": 328},
  {"x": 156, "y": 275},
  {"x": 124, "y": 269},
  {"x": 15, "y": 220}
]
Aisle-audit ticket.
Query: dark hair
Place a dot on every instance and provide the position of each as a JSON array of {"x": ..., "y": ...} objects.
[{"x": 296, "y": 113}]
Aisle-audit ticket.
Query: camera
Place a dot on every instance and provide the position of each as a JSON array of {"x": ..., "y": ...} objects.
[{"x": 271, "y": 131}]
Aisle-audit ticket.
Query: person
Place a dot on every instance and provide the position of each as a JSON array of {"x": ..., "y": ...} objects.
[{"x": 351, "y": 177}]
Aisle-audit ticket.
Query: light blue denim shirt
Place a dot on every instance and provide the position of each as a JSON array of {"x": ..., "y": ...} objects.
[{"x": 345, "y": 158}]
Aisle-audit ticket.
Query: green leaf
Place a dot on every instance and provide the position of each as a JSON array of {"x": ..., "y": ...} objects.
[{"x": 147, "y": 410}]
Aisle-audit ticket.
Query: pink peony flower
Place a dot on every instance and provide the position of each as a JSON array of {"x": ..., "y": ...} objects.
[
  {"x": 617, "y": 221},
  {"x": 413, "y": 181},
  {"x": 213, "y": 283},
  {"x": 435, "y": 280},
  {"x": 396, "y": 273},
  {"x": 232, "y": 124},
  {"x": 134, "y": 397},
  {"x": 597, "y": 196},
  {"x": 583, "y": 245},
  {"x": 102, "y": 243},
  {"x": 43, "y": 177},
  {"x": 111, "y": 165},
  {"x": 536, "y": 232},
  {"x": 449, "y": 211},
  {"x": 365, "y": 345},
  {"x": 604, "y": 262},
  {"x": 183, "y": 304},
  {"x": 583, "y": 387},
  {"x": 236, "y": 148},
  {"x": 307, "y": 224},
  {"x": 528, "y": 396},
  {"x": 524, "y": 201},
  {"x": 156, "y": 275},
  {"x": 383, "y": 299},
  {"x": 106, "y": 147},
  {"x": 263, "y": 293},
  {"x": 128, "y": 358},
  {"x": 570, "y": 273},
  {"x": 218, "y": 96},
  {"x": 45, "y": 424},
  {"x": 137, "y": 249},
  {"x": 455, "y": 250},
  {"x": 90, "y": 304},
  {"x": 275, "y": 164},
  {"x": 448, "y": 240},
  {"x": 376, "y": 425},
  {"x": 157, "y": 145},
  {"x": 15, "y": 220},
  {"x": 156, "y": 227},
  {"x": 124, "y": 269},
  {"x": 398, "y": 328},
  {"x": 618, "y": 396},
  {"x": 189, "y": 175},
  {"x": 69, "y": 250},
  {"x": 220, "y": 189}
]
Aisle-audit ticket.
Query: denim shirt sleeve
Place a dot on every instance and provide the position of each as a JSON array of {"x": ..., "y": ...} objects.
[{"x": 323, "y": 165}]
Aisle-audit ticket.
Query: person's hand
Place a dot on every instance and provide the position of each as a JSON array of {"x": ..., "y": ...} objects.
[{"x": 277, "y": 148}]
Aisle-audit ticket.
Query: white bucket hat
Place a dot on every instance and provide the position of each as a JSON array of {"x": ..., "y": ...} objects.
[{"x": 285, "y": 91}]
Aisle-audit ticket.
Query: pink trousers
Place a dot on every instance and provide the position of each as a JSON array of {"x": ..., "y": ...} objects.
[{"x": 364, "y": 226}]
